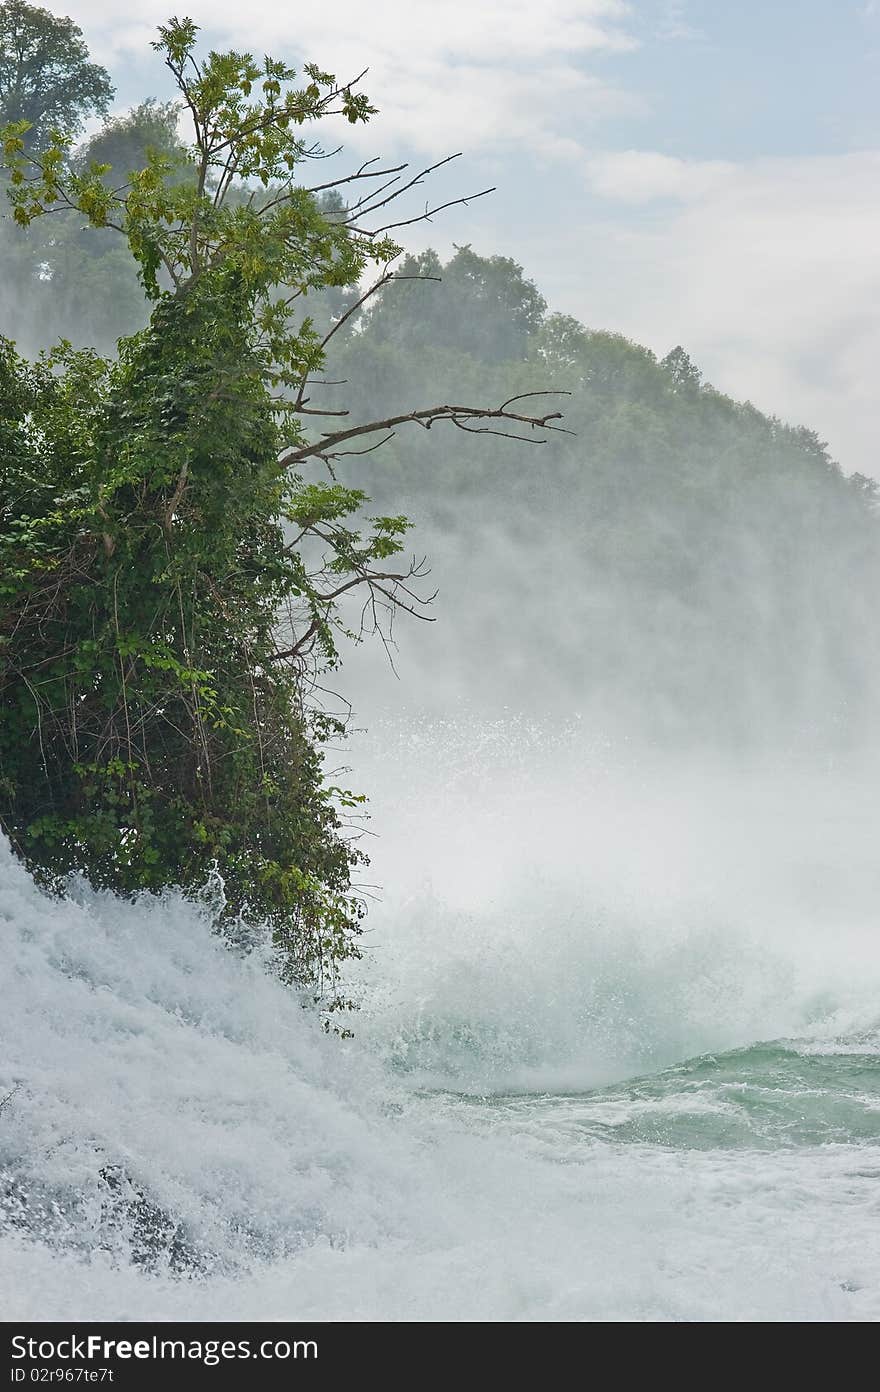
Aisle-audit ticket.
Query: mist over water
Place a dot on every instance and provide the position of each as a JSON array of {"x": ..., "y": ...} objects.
[
  {"x": 561, "y": 910},
  {"x": 616, "y": 1058}
]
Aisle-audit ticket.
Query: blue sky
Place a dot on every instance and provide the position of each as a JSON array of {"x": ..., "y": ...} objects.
[
  {"x": 730, "y": 79},
  {"x": 704, "y": 172}
]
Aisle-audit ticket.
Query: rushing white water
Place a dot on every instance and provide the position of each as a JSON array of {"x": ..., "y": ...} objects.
[{"x": 617, "y": 1058}]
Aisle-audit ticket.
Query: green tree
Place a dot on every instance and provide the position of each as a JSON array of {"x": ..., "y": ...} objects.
[
  {"x": 483, "y": 306},
  {"x": 124, "y": 142},
  {"x": 49, "y": 282},
  {"x": 683, "y": 372},
  {"x": 62, "y": 277},
  {"x": 46, "y": 77},
  {"x": 175, "y": 549}
]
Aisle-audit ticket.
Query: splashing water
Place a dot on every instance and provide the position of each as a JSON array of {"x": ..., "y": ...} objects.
[{"x": 617, "y": 1057}]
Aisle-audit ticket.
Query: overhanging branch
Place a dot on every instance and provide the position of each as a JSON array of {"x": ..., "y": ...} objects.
[{"x": 461, "y": 416}]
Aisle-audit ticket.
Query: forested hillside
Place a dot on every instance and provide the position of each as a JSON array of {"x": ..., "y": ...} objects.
[{"x": 680, "y": 563}]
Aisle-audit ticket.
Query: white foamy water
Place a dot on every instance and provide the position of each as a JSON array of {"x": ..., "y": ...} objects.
[{"x": 519, "y": 1130}]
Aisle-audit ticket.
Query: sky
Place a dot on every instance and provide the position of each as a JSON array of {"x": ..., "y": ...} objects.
[{"x": 700, "y": 172}]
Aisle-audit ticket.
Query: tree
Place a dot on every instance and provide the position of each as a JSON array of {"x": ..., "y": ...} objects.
[
  {"x": 124, "y": 142},
  {"x": 65, "y": 278},
  {"x": 175, "y": 548},
  {"x": 46, "y": 78},
  {"x": 684, "y": 373},
  {"x": 486, "y": 307}
]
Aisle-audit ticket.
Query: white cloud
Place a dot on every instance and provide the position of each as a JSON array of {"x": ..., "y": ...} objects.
[
  {"x": 641, "y": 176},
  {"x": 500, "y": 29},
  {"x": 477, "y": 73},
  {"x": 766, "y": 271}
]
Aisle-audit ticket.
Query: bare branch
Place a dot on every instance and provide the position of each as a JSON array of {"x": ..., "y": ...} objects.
[
  {"x": 412, "y": 183},
  {"x": 522, "y": 396},
  {"x": 426, "y": 216},
  {"x": 374, "y": 580},
  {"x": 502, "y": 434},
  {"x": 326, "y": 446},
  {"x": 383, "y": 280},
  {"x": 344, "y": 454},
  {"x": 360, "y": 174}
]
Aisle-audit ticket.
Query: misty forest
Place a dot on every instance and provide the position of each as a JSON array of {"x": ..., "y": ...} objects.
[{"x": 438, "y": 858}]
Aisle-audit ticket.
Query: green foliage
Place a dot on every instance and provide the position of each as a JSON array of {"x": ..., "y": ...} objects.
[
  {"x": 683, "y": 373},
  {"x": 147, "y": 734},
  {"x": 46, "y": 78},
  {"x": 484, "y": 307},
  {"x": 124, "y": 144},
  {"x": 62, "y": 276},
  {"x": 157, "y": 622}
]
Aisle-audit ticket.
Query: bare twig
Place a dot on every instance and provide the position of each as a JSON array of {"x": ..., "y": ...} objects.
[
  {"x": 363, "y": 173},
  {"x": 366, "y": 209},
  {"x": 421, "y": 217}
]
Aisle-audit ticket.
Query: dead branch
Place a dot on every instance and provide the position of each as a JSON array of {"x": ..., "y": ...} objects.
[
  {"x": 420, "y": 217},
  {"x": 459, "y": 415},
  {"x": 385, "y": 279},
  {"x": 373, "y": 579},
  {"x": 363, "y": 173},
  {"x": 364, "y": 208}
]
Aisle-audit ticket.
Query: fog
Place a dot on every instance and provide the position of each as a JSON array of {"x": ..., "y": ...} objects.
[
  {"x": 677, "y": 568},
  {"x": 559, "y": 910}
]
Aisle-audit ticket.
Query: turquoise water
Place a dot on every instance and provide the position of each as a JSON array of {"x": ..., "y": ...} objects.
[{"x": 765, "y": 1096}]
